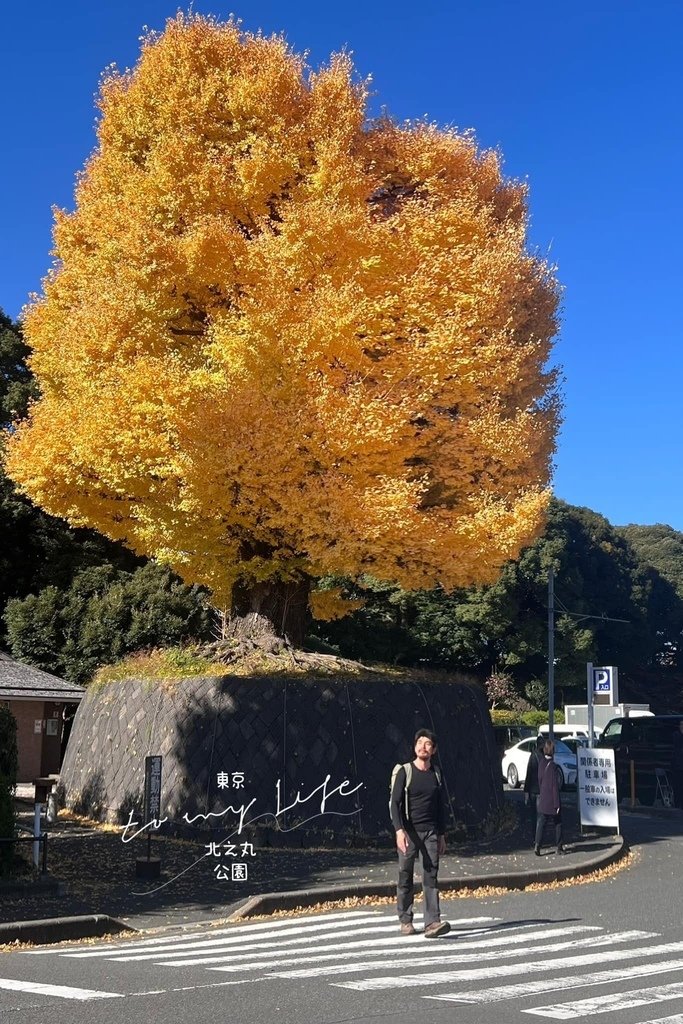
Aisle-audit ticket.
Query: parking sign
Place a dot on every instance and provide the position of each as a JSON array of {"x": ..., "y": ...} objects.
[{"x": 605, "y": 685}]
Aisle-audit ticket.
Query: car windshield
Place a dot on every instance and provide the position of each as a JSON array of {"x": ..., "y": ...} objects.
[
  {"x": 574, "y": 742},
  {"x": 612, "y": 732},
  {"x": 562, "y": 750}
]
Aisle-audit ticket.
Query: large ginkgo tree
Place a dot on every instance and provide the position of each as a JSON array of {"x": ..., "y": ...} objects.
[{"x": 281, "y": 340}]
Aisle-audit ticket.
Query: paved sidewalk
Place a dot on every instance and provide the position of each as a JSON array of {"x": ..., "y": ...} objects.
[{"x": 96, "y": 873}]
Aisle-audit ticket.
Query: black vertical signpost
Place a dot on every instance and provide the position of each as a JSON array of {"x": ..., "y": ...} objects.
[{"x": 150, "y": 867}]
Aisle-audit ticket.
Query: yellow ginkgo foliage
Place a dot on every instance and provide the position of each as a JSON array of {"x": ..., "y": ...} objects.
[{"x": 281, "y": 341}]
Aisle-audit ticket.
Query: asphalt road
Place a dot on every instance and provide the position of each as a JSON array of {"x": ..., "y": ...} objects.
[{"x": 611, "y": 950}]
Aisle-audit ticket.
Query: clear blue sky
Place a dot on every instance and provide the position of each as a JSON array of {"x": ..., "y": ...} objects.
[{"x": 584, "y": 100}]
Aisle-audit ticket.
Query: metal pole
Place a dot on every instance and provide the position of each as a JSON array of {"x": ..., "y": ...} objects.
[
  {"x": 551, "y": 653},
  {"x": 37, "y": 811},
  {"x": 589, "y": 703}
]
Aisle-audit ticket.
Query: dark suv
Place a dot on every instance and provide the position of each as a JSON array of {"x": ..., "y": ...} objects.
[{"x": 648, "y": 742}]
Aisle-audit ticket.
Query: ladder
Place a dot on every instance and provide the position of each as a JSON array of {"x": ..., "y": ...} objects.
[{"x": 664, "y": 789}]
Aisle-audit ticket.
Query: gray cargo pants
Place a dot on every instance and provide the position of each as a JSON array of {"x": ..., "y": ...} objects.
[{"x": 427, "y": 845}]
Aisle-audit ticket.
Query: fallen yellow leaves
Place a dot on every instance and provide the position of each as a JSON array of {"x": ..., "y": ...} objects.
[{"x": 482, "y": 892}]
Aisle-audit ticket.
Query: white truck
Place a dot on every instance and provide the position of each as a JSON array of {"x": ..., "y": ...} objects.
[{"x": 576, "y": 716}]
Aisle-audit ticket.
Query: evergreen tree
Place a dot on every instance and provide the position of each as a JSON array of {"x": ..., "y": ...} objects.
[
  {"x": 104, "y": 614},
  {"x": 503, "y": 627}
]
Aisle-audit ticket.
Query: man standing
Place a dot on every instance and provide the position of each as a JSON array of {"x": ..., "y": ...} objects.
[{"x": 418, "y": 815}]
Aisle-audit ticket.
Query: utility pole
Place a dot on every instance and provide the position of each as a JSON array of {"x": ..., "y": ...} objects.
[
  {"x": 578, "y": 617},
  {"x": 551, "y": 653}
]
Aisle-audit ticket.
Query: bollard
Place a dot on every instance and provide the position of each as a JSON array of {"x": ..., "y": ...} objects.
[
  {"x": 52, "y": 809},
  {"x": 43, "y": 787},
  {"x": 37, "y": 811}
]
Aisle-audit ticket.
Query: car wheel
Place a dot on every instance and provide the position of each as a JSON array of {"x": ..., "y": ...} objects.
[
  {"x": 563, "y": 784},
  {"x": 513, "y": 777}
]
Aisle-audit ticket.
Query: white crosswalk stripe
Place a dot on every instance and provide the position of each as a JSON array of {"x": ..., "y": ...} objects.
[
  {"x": 226, "y": 947},
  {"x": 238, "y": 949},
  {"x": 60, "y": 991},
  {"x": 361, "y": 951},
  {"x": 248, "y": 941},
  {"x": 416, "y": 946},
  {"x": 500, "y": 992},
  {"x": 507, "y": 970},
  {"x": 359, "y": 948},
  {"x": 476, "y": 957},
  {"x": 234, "y": 935},
  {"x": 378, "y": 946},
  {"x": 285, "y": 942},
  {"x": 612, "y": 1002}
]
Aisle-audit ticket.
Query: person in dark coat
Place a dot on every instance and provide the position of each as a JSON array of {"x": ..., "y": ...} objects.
[
  {"x": 531, "y": 783},
  {"x": 549, "y": 807},
  {"x": 677, "y": 766}
]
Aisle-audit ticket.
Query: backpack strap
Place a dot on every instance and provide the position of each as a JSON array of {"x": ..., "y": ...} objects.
[{"x": 408, "y": 769}]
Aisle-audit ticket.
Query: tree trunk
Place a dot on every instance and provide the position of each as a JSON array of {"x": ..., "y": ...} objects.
[{"x": 273, "y": 608}]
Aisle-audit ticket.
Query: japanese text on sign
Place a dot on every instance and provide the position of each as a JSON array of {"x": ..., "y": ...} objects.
[
  {"x": 153, "y": 788},
  {"x": 597, "y": 786}
]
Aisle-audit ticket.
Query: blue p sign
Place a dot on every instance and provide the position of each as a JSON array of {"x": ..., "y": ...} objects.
[{"x": 602, "y": 680}]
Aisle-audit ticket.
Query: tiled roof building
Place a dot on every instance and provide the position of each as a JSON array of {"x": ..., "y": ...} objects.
[{"x": 42, "y": 705}]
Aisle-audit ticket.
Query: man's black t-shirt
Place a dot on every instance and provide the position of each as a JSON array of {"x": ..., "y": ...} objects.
[{"x": 425, "y": 802}]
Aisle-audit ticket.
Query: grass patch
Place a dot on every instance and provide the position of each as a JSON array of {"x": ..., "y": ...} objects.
[
  {"x": 159, "y": 663},
  {"x": 193, "y": 660}
]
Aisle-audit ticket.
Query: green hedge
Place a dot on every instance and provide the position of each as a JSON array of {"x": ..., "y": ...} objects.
[{"x": 531, "y": 718}]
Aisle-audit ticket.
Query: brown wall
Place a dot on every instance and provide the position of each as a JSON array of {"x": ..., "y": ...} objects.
[
  {"x": 29, "y": 742},
  {"x": 39, "y": 752}
]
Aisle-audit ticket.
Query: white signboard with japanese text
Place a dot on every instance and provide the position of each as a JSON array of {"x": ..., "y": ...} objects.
[{"x": 597, "y": 786}]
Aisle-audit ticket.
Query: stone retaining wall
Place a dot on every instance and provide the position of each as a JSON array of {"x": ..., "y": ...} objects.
[{"x": 287, "y": 733}]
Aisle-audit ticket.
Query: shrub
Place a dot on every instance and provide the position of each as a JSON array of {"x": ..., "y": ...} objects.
[
  {"x": 530, "y": 718},
  {"x": 105, "y": 614},
  {"x": 536, "y": 718}
]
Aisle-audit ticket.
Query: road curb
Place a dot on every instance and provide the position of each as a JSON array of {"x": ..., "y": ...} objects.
[
  {"x": 59, "y": 929},
  {"x": 269, "y": 902}
]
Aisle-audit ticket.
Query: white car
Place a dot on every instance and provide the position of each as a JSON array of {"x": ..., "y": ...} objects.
[{"x": 516, "y": 758}]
